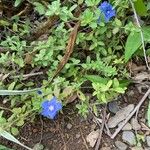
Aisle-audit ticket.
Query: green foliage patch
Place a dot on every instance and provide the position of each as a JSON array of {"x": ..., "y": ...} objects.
[{"x": 98, "y": 61}]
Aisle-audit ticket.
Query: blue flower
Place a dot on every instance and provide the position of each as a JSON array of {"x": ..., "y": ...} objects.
[
  {"x": 51, "y": 108},
  {"x": 107, "y": 10}
]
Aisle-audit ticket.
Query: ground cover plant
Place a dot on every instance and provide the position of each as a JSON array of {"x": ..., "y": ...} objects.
[{"x": 54, "y": 52}]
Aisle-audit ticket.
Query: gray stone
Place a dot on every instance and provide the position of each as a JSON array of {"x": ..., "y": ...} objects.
[
  {"x": 135, "y": 124},
  {"x": 120, "y": 116},
  {"x": 77, "y": 135},
  {"x": 120, "y": 145},
  {"x": 148, "y": 140},
  {"x": 129, "y": 137},
  {"x": 92, "y": 137},
  {"x": 69, "y": 126},
  {"x": 113, "y": 107},
  {"x": 126, "y": 127},
  {"x": 137, "y": 148}
]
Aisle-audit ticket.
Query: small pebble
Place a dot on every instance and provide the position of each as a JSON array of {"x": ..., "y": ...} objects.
[
  {"x": 120, "y": 145},
  {"x": 69, "y": 126},
  {"x": 35, "y": 130},
  {"x": 126, "y": 127},
  {"x": 135, "y": 124},
  {"x": 113, "y": 107},
  {"x": 129, "y": 137},
  {"x": 55, "y": 141},
  {"x": 148, "y": 140},
  {"x": 92, "y": 137},
  {"x": 77, "y": 136}
]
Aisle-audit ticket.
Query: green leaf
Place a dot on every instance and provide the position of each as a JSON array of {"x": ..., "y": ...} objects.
[
  {"x": 4, "y": 22},
  {"x": 81, "y": 96},
  {"x": 4, "y": 148},
  {"x": 140, "y": 8},
  {"x": 20, "y": 123},
  {"x": 115, "y": 83},
  {"x": 103, "y": 97},
  {"x": 39, "y": 8},
  {"x": 148, "y": 114},
  {"x": 146, "y": 32},
  {"x": 10, "y": 137},
  {"x": 54, "y": 8},
  {"x": 124, "y": 83},
  {"x": 95, "y": 110},
  {"x": 119, "y": 90},
  {"x": 14, "y": 131},
  {"x": 80, "y": 2},
  {"x": 11, "y": 86},
  {"x": 132, "y": 44},
  {"x": 87, "y": 17},
  {"x": 17, "y": 2},
  {"x": 15, "y": 27},
  {"x": 109, "y": 84},
  {"x": 92, "y": 2},
  {"x": 98, "y": 79}
]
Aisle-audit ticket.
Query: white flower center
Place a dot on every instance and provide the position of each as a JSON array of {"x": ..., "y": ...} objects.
[
  {"x": 51, "y": 107},
  {"x": 108, "y": 11}
]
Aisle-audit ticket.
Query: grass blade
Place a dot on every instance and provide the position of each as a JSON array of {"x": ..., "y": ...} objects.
[
  {"x": 10, "y": 137},
  {"x": 16, "y": 92},
  {"x": 148, "y": 114}
]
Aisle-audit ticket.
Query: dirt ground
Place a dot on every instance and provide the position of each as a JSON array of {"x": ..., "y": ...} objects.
[{"x": 69, "y": 130}]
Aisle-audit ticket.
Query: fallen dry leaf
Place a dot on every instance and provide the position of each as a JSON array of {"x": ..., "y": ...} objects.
[
  {"x": 71, "y": 98},
  {"x": 141, "y": 76},
  {"x": 92, "y": 137},
  {"x": 69, "y": 49}
]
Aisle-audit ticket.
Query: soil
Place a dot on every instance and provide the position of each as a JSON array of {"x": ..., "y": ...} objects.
[
  {"x": 69, "y": 130},
  {"x": 55, "y": 135}
]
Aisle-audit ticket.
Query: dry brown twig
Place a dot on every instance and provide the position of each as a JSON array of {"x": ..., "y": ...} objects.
[
  {"x": 98, "y": 143},
  {"x": 26, "y": 76},
  {"x": 84, "y": 141}
]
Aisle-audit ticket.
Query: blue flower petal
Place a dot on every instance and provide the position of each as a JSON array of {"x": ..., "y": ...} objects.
[
  {"x": 59, "y": 106},
  {"x": 47, "y": 105},
  {"x": 107, "y": 10},
  {"x": 52, "y": 115}
]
